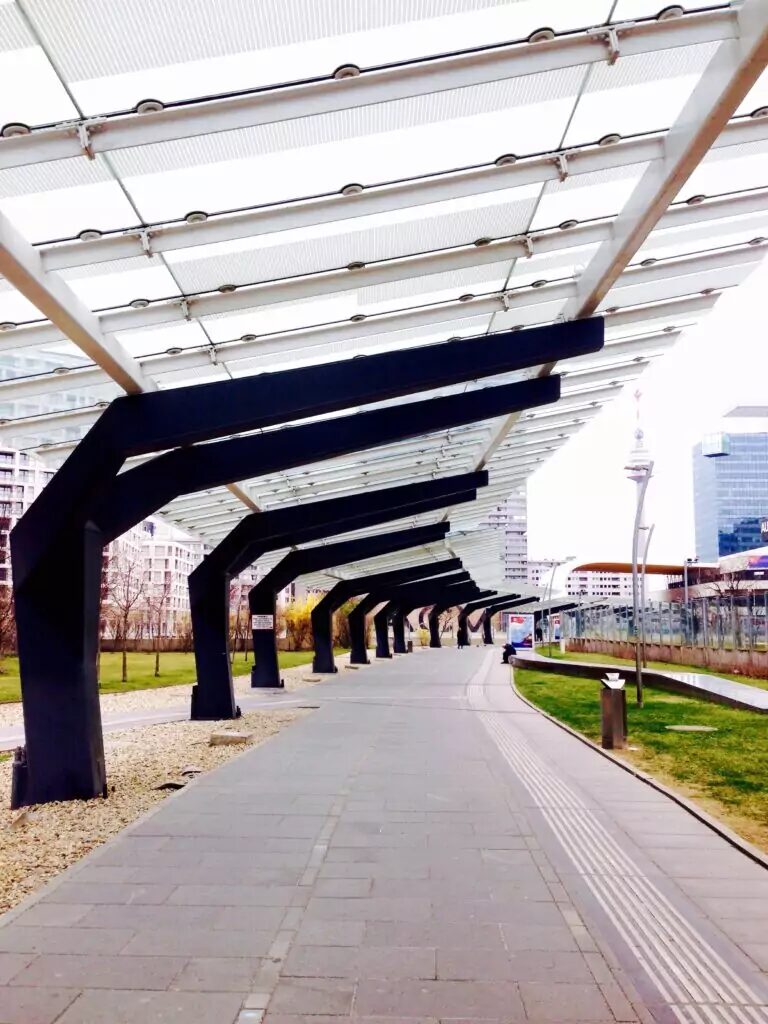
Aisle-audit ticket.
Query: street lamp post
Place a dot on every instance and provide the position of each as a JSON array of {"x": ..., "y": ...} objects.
[
  {"x": 641, "y": 473},
  {"x": 639, "y": 469},
  {"x": 688, "y": 562},
  {"x": 555, "y": 566},
  {"x": 643, "y": 582}
]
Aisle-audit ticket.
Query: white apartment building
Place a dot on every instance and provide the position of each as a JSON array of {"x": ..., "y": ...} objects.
[
  {"x": 599, "y": 584},
  {"x": 169, "y": 556},
  {"x": 22, "y": 477},
  {"x": 511, "y": 519},
  {"x": 163, "y": 555}
]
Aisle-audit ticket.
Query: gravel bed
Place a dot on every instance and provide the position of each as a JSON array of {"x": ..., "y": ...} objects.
[
  {"x": 40, "y": 842},
  {"x": 173, "y": 696}
]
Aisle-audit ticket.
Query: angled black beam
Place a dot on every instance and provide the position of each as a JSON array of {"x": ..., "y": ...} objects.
[
  {"x": 398, "y": 620},
  {"x": 448, "y": 599},
  {"x": 140, "y": 424},
  {"x": 381, "y": 619},
  {"x": 261, "y": 599},
  {"x": 461, "y": 639},
  {"x": 498, "y": 606},
  {"x": 141, "y": 491},
  {"x": 391, "y": 612},
  {"x": 86, "y": 504},
  {"x": 63, "y": 688},
  {"x": 356, "y": 618},
  {"x": 381, "y": 632},
  {"x": 433, "y": 621},
  {"x": 493, "y": 597},
  {"x": 434, "y": 618},
  {"x": 322, "y": 613},
  {"x": 213, "y": 696}
]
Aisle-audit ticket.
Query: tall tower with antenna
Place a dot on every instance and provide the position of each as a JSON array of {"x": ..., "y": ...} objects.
[{"x": 638, "y": 468}]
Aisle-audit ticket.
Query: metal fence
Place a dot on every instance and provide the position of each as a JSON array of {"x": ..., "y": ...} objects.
[{"x": 721, "y": 623}]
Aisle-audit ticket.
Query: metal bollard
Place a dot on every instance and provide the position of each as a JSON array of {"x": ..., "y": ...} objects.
[{"x": 613, "y": 705}]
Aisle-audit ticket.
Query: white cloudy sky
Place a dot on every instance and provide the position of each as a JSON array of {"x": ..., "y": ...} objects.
[{"x": 580, "y": 503}]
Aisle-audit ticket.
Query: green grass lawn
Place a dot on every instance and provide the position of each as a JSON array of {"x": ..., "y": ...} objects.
[
  {"x": 725, "y": 771},
  {"x": 609, "y": 659},
  {"x": 176, "y": 668}
]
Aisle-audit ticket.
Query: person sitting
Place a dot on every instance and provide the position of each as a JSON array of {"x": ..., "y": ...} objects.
[{"x": 509, "y": 652}]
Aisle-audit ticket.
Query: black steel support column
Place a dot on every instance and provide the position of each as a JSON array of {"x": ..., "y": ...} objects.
[
  {"x": 450, "y": 597},
  {"x": 358, "y": 654},
  {"x": 356, "y": 618},
  {"x": 262, "y": 597},
  {"x": 399, "y": 641},
  {"x": 88, "y": 494},
  {"x": 322, "y": 613},
  {"x": 381, "y": 628},
  {"x": 60, "y": 673},
  {"x": 434, "y": 626},
  {"x": 213, "y": 695},
  {"x": 473, "y": 606},
  {"x": 500, "y": 605},
  {"x": 487, "y": 627},
  {"x": 442, "y": 606}
]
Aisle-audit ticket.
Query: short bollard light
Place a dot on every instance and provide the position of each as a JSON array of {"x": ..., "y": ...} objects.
[{"x": 613, "y": 704}]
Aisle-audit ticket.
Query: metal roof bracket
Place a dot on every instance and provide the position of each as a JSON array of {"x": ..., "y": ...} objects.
[
  {"x": 84, "y": 138},
  {"x": 611, "y": 39},
  {"x": 184, "y": 305},
  {"x": 562, "y": 166},
  {"x": 146, "y": 242}
]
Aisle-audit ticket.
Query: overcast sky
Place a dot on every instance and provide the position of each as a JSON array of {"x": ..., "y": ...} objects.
[{"x": 580, "y": 503}]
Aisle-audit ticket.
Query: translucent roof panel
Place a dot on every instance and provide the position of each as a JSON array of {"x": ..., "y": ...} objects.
[
  {"x": 628, "y": 96},
  {"x": 118, "y": 57},
  {"x": 217, "y": 243}
]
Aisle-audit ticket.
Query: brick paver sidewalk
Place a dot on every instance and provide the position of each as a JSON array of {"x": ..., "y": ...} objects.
[{"x": 423, "y": 848}]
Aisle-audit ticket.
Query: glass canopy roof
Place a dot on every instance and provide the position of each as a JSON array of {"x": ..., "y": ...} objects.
[{"x": 193, "y": 192}]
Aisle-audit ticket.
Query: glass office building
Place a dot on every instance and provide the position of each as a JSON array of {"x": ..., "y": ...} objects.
[{"x": 730, "y": 486}]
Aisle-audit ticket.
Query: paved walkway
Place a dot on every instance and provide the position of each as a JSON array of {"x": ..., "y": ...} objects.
[{"x": 423, "y": 848}]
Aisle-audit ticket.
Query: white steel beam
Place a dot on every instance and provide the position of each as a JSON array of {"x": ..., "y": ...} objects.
[
  {"x": 305, "y": 213},
  {"x": 727, "y": 79},
  {"x": 391, "y": 271},
  {"x": 621, "y": 351},
  {"x": 43, "y": 425},
  {"x": 383, "y": 85},
  {"x": 21, "y": 265},
  {"x": 310, "y": 338}
]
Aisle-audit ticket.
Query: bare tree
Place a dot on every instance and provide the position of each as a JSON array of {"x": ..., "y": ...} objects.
[
  {"x": 236, "y": 626},
  {"x": 184, "y": 632},
  {"x": 7, "y": 621},
  {"x": 126, "y": 589},
  {"x": 730, "y": 587},
  {"x": 731, "y": 584},
  {"x": 156, "y": 603}
]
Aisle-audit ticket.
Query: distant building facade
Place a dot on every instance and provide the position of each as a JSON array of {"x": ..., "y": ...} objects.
[
  {"x": 730, "y": 485},
  {"x": 511, "y": 519},
  {"x": 22, "y": 477},
  {"x": 591, "y": 583}
]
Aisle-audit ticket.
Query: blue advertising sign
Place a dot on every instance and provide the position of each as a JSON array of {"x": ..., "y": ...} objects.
[{"x": 520, "y": 631}]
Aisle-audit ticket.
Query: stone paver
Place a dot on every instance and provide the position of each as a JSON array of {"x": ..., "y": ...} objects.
[{"x": 423, "y": 849}]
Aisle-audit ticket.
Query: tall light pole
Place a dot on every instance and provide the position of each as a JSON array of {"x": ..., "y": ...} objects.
[
  {"x": 643, "y": 582},
  {"x": 639, "y": 469},
  {"x": 688, "y": 562},
  {"x": 555, "y": 564}
]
